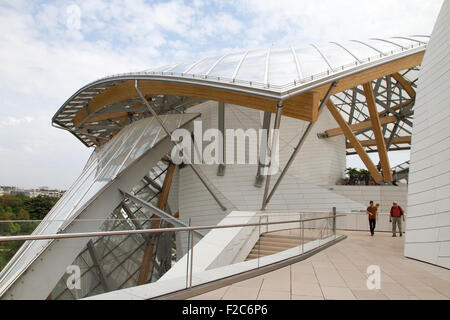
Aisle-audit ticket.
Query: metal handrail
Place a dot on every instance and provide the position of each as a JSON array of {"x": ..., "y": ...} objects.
[{"x": 151, "y": 231}]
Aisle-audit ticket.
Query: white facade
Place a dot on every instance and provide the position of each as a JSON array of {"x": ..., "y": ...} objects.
[{"x": 428, "y": 220}]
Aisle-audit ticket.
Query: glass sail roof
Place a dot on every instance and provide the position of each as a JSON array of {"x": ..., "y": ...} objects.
[
  {"x": 281, "y": 67},
  {"x": 273, "y": 73},
  {"x": 105, "y": 164}
]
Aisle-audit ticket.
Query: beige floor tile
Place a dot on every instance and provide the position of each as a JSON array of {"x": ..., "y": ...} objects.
[
  {"x": 273, "y": 295},
  {"x": 304, "y": 278},
  {"x": 339, "y": 272},
  {"x": 394, "y": 297},
  {"x": 369, "y": 295},
  {"x": 329, "y": 277},
  {"x": 212, "y": 295},
  {"x": 426, "y": 293},
  {"x": 241, "y": 293},
  {"x": 276, "y": 284},
  {"x": 408, "y": 280},
  {"x": 295, "y": 297},
  {"x": 337, "y": 293},
  {"x": 306, "y": 289},
  {"x": 278, "y": 274},
  {"x": 302, "y": 268},
  {"x": 250, "y": 283}
]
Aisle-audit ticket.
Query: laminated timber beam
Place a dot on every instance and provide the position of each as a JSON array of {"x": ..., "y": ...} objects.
[
  {"x": 389, "y": 68},
  {"x": 303, "y": 106},
  {"x": 405, "y": 84},
  {"x": 359, "y": 126},
  {"x": 376, "y": 127},
  {"x": 354, "y": 141},
  {"x": 371, "y": 143},
  {"x": 155, "y": 223}
]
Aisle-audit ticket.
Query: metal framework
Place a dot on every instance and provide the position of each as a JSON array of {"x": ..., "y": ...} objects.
[{"x": 393, "y": 104}]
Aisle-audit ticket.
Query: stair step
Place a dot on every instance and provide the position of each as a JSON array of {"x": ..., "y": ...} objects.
[
  {"x": 279, "y": 242},
  {"x": 270, "y": 243},
  {"x": 278, "y": 236},
  {"x": 276, "y": 246}
]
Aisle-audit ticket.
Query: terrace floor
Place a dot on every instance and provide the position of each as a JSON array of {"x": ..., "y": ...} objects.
[{"x": 339, "y": 272}]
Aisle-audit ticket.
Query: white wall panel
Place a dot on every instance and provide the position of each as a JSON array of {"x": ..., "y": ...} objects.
[{"x": 428, "y": 224}]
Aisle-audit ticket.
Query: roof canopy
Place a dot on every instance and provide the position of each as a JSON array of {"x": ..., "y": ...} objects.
[{"x": 298, "y": 76}]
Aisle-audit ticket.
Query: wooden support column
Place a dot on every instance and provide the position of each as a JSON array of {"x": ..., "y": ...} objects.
[
  {"x": 376, "y": 127},
  {"x": 155, "y": 223},
  {"x": 354, "y": 141}
]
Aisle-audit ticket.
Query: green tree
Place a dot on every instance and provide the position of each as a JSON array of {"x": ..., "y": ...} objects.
[
  {"x": 20, "y": 207},
  {"x": 39, "y": 206},
  {"x": 364, "y": 176},
  {"x": 353, "y": 175}
]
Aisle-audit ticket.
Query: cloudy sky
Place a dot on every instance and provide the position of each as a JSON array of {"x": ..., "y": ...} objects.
[{"x": 49, "y": 49}]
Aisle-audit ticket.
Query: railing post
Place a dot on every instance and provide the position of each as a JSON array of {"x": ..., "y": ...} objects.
[
  {"x": 334, "y": 221},
  {"x": 303, "y": 236},
  {"x": 192, "y": 259},
  {"x": 259, "y": 239},
  {"x": 187, "y": 253}
]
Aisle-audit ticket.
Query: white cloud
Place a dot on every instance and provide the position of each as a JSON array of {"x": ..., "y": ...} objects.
[{"x": 12, "y": 121}]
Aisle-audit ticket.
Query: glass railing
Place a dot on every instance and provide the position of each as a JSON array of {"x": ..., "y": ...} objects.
[{"x": 149, "y": 258}]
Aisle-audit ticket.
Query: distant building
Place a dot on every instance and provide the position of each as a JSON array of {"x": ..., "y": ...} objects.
[{"x": 45, "y": 191}]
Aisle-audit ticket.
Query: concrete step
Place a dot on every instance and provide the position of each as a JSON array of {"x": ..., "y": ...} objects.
[
  {"x": 277, "y": 248},
  {"x": 279, "y": 242},
  {"x": 269, "y": 244}
]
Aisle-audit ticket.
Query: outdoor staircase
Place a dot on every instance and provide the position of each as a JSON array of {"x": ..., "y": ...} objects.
[{"x": 274, "y": 242}]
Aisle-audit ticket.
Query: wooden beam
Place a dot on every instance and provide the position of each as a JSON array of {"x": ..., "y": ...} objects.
[
  {"x": 354, "y": 141},
  {"x": 126, "y": 90},
  {"x": 405, "y": 84},
  {"x": 375, "y": 151},
  {"x": 303, "y": 106},
  {"x": 155, "y": 223},
  {"x": 359, "y": 126},
  {"x": 111, "y": 115},
  {"x": 380, "y": 71},
  {"x": 371, "y": 143},
  {"x": 377, "y": 130}
]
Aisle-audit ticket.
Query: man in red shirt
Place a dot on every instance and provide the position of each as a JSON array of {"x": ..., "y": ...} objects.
[{"x": 397, "y": 214}]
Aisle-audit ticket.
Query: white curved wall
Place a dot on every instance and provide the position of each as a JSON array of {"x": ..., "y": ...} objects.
[
  {"x": 428, "y": 219},
  {"x": 320, "y": 163}
]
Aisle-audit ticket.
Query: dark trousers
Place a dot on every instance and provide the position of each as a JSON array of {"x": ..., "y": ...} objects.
[{"x": 372, "y": 223}]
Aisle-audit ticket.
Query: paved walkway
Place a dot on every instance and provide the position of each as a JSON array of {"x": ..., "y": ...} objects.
[{"x": 339, "y": 272}]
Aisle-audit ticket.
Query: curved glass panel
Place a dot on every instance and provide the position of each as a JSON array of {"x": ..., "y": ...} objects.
[
  {"x": 383, "y": 46},
  {"x": 336, "y": 55},
  {"x": 282, "y": 68},
  {"x": 360, "y": 50},
  {"x": 180, "y": 68},
  {"x": 310, "y": 61},
  {"x": 253, "y": 67},
  {"x": 404, "y": 42},
  {"x": 203, "y": 66},
  {"x": 105, "y": 163},
  {"x": 226, "y": 67}
]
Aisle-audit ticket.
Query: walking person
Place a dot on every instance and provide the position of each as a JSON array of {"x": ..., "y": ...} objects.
[
  {"x": 396, "y": 217},
  {"x": 372, "y": 213}
]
